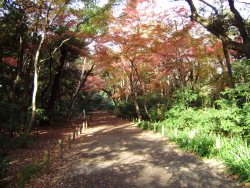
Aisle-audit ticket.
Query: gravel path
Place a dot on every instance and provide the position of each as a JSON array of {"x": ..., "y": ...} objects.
[{"x": 115, "y": 153}]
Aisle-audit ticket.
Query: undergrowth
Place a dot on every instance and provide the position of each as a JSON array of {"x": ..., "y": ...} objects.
[{"x": 208, "y": 135}]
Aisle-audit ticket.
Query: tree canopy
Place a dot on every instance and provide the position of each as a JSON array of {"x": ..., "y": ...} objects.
[{"x": 58, "y": 56}]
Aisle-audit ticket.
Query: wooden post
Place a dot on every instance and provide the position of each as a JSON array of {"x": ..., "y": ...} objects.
[
  {"x": 87, "y": 124},
  {"x": 192, "y": 134},
  {"x": 46, "y": 161},
  {"x": 74, "y": 135},
  {"x": 217, "y": 143},
  {"x": 176, "y": 132},
  {"x": 154, "y": 127},
  {"x": 83, "y": 127},
  {"x": 162, "y": 130},
  {"x": 21, "y": 178},
  {"x": 148, "y": 124},
  {"x": 91, "y": 116},
  {"x": 80, "y": 127},
  {"x": 69, "y": 141},
  {"x": 76, "y": 132},
  {"x": 84, "y": 114},
  {"x": 60, "y": 149}
]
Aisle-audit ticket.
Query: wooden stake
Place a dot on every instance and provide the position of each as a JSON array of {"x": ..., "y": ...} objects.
[
  {"x": 74, "y": 135},
  {"x": 192, "y": 134},
  {"x": 76, "y": 132},
  {"x": 69, "y": 141},
  {"x": 80, "y": 127},
  {"x": 21, "y": 178},
  {"x": 46, "y": 161},
  {"x": 83, "y": 127},
  {"x": 176, "y": 132},
  {"x": 87, "y": 124},
  {"x": 60, "y": 149},
  {"x": 217, "y": 143}
]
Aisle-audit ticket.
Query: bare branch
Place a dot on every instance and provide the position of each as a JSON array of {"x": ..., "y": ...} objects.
[
  {"x": 211, "y": 6},
  {"x": 243, "y": 2},
  {"x": 55, "y": 50}
]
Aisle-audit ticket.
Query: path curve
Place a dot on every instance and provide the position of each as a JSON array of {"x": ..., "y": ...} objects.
[{"x": 115, "y": 153}]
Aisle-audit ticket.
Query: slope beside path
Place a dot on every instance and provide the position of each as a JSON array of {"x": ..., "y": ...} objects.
[{"x": 115, "y": 153}]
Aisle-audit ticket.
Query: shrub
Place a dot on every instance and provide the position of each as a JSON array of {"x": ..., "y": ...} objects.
[{"x": 203, "y": 145}]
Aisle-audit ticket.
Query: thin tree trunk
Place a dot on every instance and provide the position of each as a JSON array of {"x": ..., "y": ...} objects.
[
  {"x": 146, "y": 108},
  {"x": 35, "y": 87},
  {"x": 16, "y": 84},
  {"x": 229, "y": 68},
  {"x": 80, "y": 85},
  {"x": 44, "y": 91},
  {"x": 110, "y": 95},
  {"x": 137, "y": 108},
  {"x": 145, "y": 103}
]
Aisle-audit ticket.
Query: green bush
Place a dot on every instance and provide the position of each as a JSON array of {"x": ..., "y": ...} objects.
[
  {"x": 201, "y": 145},
  {"x": 125, "y": 109},
  {"x": 209, "y": 125},
  {"x": 225, "y": 121},
  {"x": 231, "y": 150}
]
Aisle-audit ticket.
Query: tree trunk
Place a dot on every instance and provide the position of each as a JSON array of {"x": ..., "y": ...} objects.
[
  {"x": 56, "y": 80},
  {"x": 82, "y": 82},
  {"x": 146, "y": 108},
  {"x": 35, "y": 87},
  {"x": 110, "y": 95},
  {"x": 137, "y": 108},
  {"x": 45, "y": 90},
  {"x": 229, "y": 68},
  {"x": 16, "y": 84}
]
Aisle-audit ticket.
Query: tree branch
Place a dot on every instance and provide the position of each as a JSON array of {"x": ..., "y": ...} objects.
[
  {"x": 239, "y": 21},
  {"x": 216, "y": 29},
  {"x": 211, "y": 6},
  {"x": 55, "y": 50}
]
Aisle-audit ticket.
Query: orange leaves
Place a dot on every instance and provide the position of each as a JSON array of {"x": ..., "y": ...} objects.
[
  {"x": 152, "y": 50},
  {"x": 94, "y": 83}
]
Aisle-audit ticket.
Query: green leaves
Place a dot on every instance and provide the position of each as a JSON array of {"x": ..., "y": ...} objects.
[{"x": 219, "y": 122}]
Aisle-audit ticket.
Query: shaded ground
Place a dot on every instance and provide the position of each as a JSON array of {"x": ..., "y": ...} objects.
[{"x": 115, "y": 153}]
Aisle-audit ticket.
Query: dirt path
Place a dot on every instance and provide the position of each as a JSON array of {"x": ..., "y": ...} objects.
[{"x": 115, "y": 153}]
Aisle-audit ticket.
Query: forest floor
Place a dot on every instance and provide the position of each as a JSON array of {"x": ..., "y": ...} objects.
[{"x": 115, "y": 153}]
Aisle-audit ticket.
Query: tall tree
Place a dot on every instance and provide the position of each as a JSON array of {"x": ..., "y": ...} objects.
[
  {"x": 228, "y": 24},
  {"x": 224, "y": 23}
]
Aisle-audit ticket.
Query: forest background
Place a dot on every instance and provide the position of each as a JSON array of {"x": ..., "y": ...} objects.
[{"x": 181, "y": 64}]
